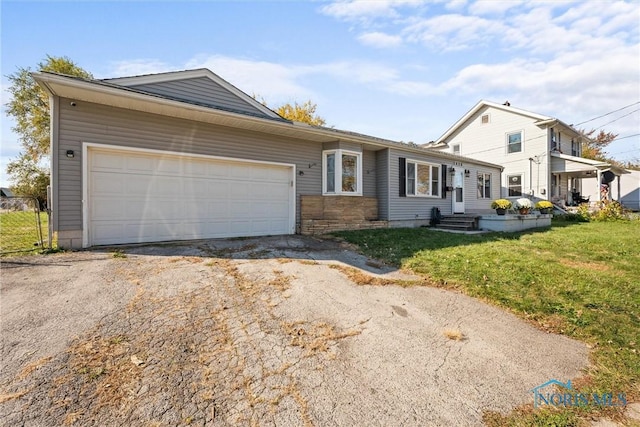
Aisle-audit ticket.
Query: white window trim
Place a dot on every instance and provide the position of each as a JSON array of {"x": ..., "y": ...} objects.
[
  {"x": 521, "y": 185},
  {"x": 419, "y": 162},
  {"x": 508, "y": 134},
  {"x": 338, "y": 173},
  {"x": 485, "y": 174}
]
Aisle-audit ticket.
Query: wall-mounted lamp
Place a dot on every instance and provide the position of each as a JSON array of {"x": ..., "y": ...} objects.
[
  {"x": 300, "y": 172},
  {"x": 70, "y": 154},
  {"x": 312, "y": 165},
  {"x": 467, "y": 172},
  {"x": 452, "y": 170}
]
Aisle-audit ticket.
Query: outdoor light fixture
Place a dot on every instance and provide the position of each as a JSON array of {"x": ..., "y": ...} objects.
[
  {"x": 467, "y": 172},
  {"x": 452, "y": 171},
  {"x": 70, "y": 154}
]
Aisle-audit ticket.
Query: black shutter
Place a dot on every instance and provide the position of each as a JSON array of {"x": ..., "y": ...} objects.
[
  {"x": 444, "y": 181},
  {"x": 403, "y": 176}
]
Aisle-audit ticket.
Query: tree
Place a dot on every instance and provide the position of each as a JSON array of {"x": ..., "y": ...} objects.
[
  {"x": 305, "y": 113},
  {"x": 29, "y": 106},
  {"x": 593, "y": 147}
]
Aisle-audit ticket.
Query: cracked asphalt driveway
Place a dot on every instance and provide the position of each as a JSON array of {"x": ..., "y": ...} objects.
[{"x": 272, "y": 331}]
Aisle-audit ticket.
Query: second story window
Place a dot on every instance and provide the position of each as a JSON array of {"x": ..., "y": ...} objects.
[
  {"x": 514, "y": 142},
  {"x": 575, "y": 148},
  {"x": 554, "y": 141},
  {"x": 456, "y": 149}
]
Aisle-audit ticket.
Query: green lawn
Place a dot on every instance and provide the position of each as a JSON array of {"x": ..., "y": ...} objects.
[
  {"x": 578, "y": 279},
  {"x": 18, "y": 232}
]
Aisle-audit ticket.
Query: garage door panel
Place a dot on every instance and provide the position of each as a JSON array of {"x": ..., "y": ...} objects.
[
  {"x": 108, "y": 162},
  {"x": 108, "y": 208},
  {"x": 195, "y": 169},
  {"x": 146, "y": 197},
  {"x": 138, "y": 163},
  {"x": 169, "y": 166},
  {"x": 108, "y": 183}
]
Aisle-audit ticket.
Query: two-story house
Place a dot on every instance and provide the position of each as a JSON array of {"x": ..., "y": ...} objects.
[{"x": 541, "y": 155}]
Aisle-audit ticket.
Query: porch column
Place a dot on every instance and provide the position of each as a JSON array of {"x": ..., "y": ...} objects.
[
  {"x": 618, "y": 178},
  {"x": 598, "y": 179}
]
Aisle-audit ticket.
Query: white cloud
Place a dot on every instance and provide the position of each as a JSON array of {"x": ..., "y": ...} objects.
[
  {"x": 492, "y": 7},
  {"x": 381, "y": 40},
  {"x": 363, "y": 10},
  {"x": 455, "y": 5},
  {"x": 453, "y": 32},
  {"x": 137, "y": 67},
  {"x": 566, "y": 87},
  {"x": 274, "y": 82}
]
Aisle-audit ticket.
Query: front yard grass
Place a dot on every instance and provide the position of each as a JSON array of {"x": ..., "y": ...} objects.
[{"x": 577, "y": 279}]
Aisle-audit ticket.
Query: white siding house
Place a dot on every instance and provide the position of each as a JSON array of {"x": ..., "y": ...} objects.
[{"x": 541, "y": 155}]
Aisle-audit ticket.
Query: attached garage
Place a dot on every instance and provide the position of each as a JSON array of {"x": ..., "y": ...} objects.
[{"x": 136, "y": 196}]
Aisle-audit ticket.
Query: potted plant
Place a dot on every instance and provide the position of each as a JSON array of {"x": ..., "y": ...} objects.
[
  {"x": 544, "y": 206},
  {"x": 501, "y": 206},
  {"x": 523, "y": 205}
]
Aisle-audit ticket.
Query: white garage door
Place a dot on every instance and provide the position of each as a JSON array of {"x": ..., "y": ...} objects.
[{"x": 139, "y": 197}]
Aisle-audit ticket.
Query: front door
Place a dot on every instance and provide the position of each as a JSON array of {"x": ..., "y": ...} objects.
[{"x": 458, "y": 191}]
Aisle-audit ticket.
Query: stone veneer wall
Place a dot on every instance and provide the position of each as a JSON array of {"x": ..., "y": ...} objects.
[{"x": 324, "y": 214}]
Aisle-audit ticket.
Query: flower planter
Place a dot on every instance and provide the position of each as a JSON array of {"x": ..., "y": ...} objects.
[
  {"x": 545, "y": 211},
  {"x": 501, "y": 211},
  {"x": 524, "y": 211}
]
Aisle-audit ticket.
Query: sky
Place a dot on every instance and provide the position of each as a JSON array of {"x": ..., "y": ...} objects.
[{"x": 403, "y": 70}]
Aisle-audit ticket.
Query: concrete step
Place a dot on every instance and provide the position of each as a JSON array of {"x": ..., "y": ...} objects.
[
  {"x": 460, "y": 222},
  {"x": 461, "y": 227}
]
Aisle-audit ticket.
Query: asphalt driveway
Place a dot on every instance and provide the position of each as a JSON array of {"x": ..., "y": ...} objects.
[{"x": 283, "y": 331}]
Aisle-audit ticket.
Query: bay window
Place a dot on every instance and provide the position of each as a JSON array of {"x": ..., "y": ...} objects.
[{"x": 342, "y": 172}]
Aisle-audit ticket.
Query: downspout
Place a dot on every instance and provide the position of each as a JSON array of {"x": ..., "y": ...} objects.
[{"x": 54, "y": 104}]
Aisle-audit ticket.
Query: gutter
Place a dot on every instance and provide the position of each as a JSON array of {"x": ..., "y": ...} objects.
[{"x": 46, "y": 80}]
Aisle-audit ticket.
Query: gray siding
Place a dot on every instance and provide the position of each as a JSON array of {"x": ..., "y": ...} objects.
[
  {"x": 99, "y": 124},
  {"x": 419, "y": 208},
  {"x": 201, "y": 90},
  {"x": 369, "y": 173},
  {"x": 412, "y": 208},
  {"x": 382, "y": 183},
  {"x": 472, "y": 202}
]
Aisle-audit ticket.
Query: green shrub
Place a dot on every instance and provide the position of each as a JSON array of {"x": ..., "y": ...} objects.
[
  {"x": 570, "y": 217},
  {"x": 609, "y": 211}
]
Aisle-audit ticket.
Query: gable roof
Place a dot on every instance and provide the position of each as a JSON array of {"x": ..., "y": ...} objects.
[
  {"x": 108, "y": 92},
  {"x": 540, "y": 120},
  {"x": 155, "y": 83}
]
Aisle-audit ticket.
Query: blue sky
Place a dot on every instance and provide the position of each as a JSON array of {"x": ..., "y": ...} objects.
[{"x": 404, "y": 70}]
